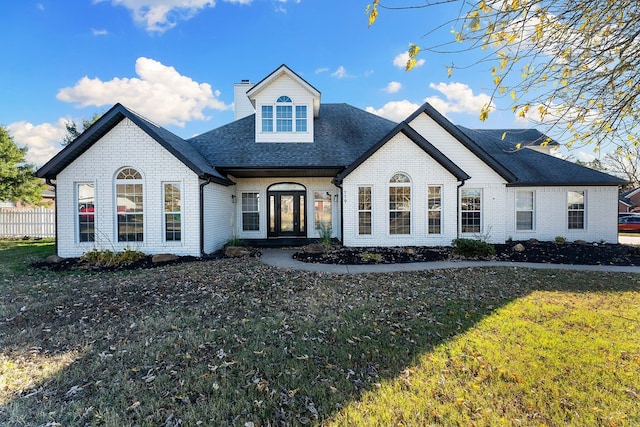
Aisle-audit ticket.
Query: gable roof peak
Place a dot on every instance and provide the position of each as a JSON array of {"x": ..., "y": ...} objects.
[{"x": 275, "y": 74}]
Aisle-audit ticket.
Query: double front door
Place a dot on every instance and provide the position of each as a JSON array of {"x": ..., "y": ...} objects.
[{"x": 287, "y": 213}]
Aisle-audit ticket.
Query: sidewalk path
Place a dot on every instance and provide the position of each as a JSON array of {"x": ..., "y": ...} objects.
[{"x": 282, "y": 258}]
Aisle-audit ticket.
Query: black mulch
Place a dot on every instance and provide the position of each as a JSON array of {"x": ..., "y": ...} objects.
[{"x": 534, "y": 251}]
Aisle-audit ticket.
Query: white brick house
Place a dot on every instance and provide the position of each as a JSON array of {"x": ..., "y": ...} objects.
[{"x": 289, "y": 167}]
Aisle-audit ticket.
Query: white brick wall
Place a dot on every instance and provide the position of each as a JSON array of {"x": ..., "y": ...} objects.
[
  {"x": 400, "y": 154},
  {"x": 127, "y": 146},
  {"x": 550, "y": 211},
  {"x": 218, "y": 216}
]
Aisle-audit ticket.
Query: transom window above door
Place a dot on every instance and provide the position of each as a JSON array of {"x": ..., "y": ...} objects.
[{"x": 288, "y": 118}]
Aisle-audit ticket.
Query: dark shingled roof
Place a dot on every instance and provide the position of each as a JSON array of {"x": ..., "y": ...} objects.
[
  {"x": 177, "y": 146},
  {"x": 342, "y": 133},
  {"x": 531, "y": 167}
]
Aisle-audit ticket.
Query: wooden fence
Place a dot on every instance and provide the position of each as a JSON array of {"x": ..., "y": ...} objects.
[{"x": 38, "y": 222}]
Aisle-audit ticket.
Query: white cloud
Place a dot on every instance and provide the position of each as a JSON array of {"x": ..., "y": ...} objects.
[
  {"x": 43, "y": 140},
  {"x": 340, "y": 73},
  {"x": 40, "y": 7},
  {"x": 321, "y": 70},
  {"x": 162, "y": 15},
  {"x": 100, "y": 32},
  {"x": 393, "y": 87},
  {"x": 459, "y": 98},
  {"x": 160, "y": 93},
  {"x": 395, "y": 110},
  {"x": 400, "y": 60}
]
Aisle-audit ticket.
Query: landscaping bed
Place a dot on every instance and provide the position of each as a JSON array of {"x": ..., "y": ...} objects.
[{"x": 524, "y": 251}]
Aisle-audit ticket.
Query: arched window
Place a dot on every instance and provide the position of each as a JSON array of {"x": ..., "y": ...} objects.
[
  {"x": 130, "y": 206},
  {"x": 400, "y": 204},
  {"x": 284, "y": 116}
]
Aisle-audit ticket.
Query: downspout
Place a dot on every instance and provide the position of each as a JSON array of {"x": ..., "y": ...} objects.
[
  {"x": 341, "y": 211},
  {"x": 55, "y": 212},
  {"x": 458, "y": 208},
  {"x": 202, "y": 185}
]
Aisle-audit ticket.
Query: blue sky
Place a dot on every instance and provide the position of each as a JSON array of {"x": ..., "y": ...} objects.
[{"x": 175, "y": 62}]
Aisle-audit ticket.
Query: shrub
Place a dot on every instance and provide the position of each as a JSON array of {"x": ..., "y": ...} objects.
[
  {"x": 470, "y": 248},
  {"x": 371, "y": 257},
  {"x": 560, "y": 239},
  {"x": 107, "y": 258},
  {"x": 235, "y": 241},
  {"x": 324, "y": 230}
]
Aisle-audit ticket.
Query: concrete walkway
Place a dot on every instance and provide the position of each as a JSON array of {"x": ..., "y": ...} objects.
[{"x": 282, "y": 258}]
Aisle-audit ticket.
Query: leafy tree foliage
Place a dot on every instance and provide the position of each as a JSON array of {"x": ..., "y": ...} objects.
[
  {"x": 17, "y": 182},
  {"x": 571, "y": 64},
  {"x": 74, "y": 131}
]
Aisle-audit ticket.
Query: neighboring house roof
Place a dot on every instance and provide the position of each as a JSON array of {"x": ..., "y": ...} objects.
[
  {"x": 177, "y": 146},
  {"x": 420, "y": 141},
  {"x": 342, "y": 133},
  {"x": 532, "y": 168},
  {"x": 625, "y": 197}
]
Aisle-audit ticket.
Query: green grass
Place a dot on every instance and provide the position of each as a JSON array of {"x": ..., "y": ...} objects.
[
  {"x": 17, "y": 255},
  {"x": 232, "y": 342}
]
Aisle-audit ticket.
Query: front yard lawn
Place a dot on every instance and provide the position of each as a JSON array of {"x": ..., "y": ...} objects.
[{"x": 234, "y": 342}]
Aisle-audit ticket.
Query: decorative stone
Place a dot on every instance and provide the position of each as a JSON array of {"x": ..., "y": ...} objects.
[
  {"x": 533, "y": 241},
  {"x": 314, "y": 248},
  {"x": 54, "y": 259},
  {"x": 410, "y": 251},
  {"x": 519, "y": 248},
  {"x": 158, "y": 258},
  {"x": 581, "y": 242},
  {"x": 236, "y": 252}
]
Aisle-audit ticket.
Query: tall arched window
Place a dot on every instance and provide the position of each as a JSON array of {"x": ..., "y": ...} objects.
[
  {"x": 130, "y": 206},
  {"x": 400, "y": 204}
]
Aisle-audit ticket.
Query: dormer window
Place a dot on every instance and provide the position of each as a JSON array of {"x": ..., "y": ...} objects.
[{"x": 284, "y": 117}]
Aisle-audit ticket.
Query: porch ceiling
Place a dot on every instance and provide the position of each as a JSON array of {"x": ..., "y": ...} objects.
[{"x": 281, "y": 172}]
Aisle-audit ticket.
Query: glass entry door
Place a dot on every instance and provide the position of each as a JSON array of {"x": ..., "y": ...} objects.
[{"x": 287, "y": 214}]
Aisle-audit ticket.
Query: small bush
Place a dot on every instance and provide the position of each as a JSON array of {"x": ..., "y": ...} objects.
[
  {"x": 371, "y": 257},
  {"x": 235, "y": 241},
  {"x": 560, "y": 239},
  {"x": 107, "y": 258},
  {"x": 470, "y": 248}
]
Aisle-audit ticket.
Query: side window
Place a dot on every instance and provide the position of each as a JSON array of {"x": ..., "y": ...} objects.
[
  {"x": 172, "y": 195},
  {"x": 524, "y": 210},
  {"x": 434, "y": 209},
  {"x": 575, "y": 210},
  {"x": 86, "y": 212},
  {"x": 250, "y": 211},
  {"x": 471, "y": 211},
  {"x": 364, "y": 210}
]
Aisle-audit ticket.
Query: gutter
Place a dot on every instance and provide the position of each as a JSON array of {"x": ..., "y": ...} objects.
[
  {"x": 55, "y": 212},
  {"x": 202, "y": 185}
]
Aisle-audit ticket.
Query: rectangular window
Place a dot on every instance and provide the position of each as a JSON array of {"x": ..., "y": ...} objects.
[
  {"x": 399, "y": 210},
  {"x": 301, "y": 118},
  {"x": 284, "y": 118},
  {"x": 470, "y": 211},
  {"x": 130, "y": 212},
  {"x": 322, "y": 210},
  {"x": 524, "y": 210},
  {"x": 172, "y": 212},
  {"x": 575, "y": 204},
  {"x": 267, "y": 118},
  {"x": 86, "y": 212},
  {"x": 364, "y": 210},
  {"x": 434, "y": 209},
  {"x": 250, "y": 211}
]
